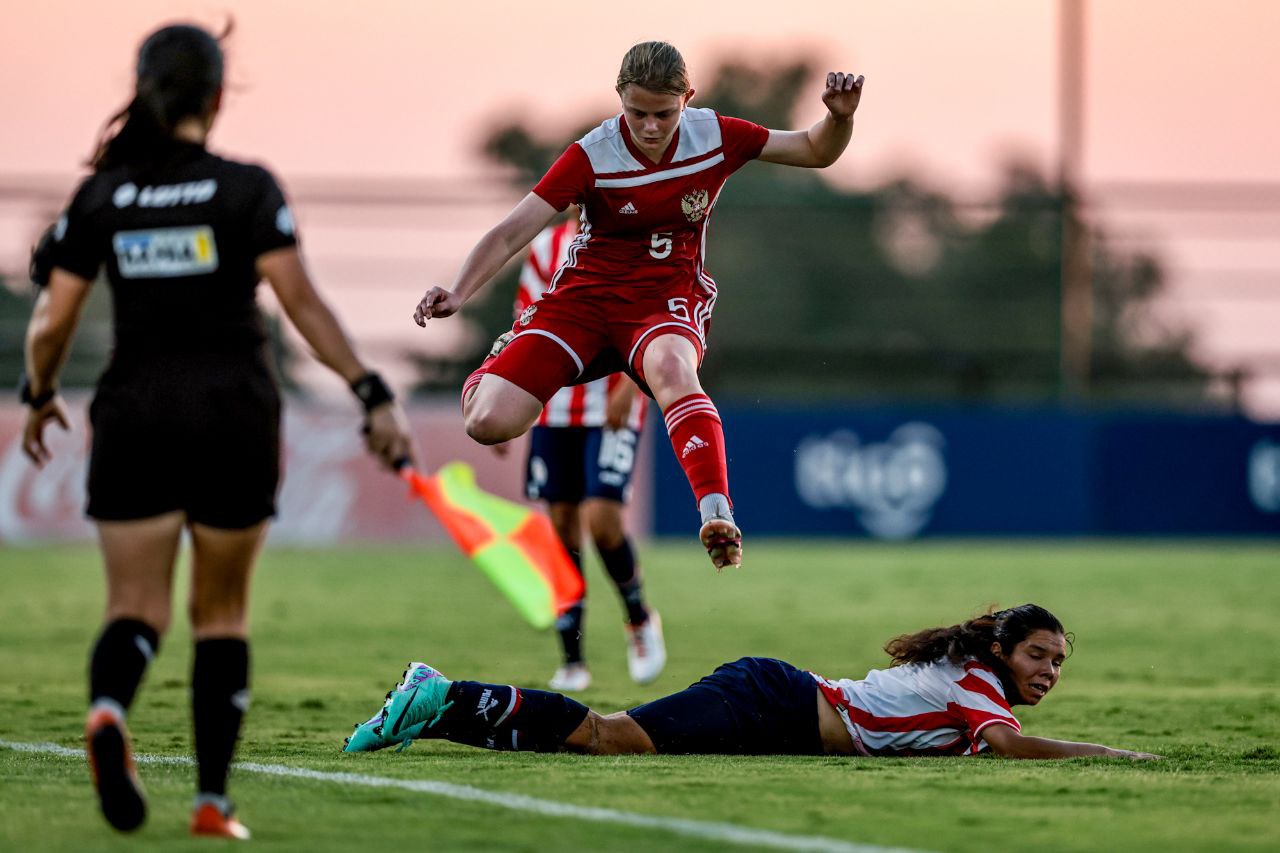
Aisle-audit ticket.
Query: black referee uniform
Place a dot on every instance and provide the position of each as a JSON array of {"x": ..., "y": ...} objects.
[{"x": 187, "y": 413}]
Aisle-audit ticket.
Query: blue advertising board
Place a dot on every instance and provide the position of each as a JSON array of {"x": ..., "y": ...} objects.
[{"x": 900, "y": 474}]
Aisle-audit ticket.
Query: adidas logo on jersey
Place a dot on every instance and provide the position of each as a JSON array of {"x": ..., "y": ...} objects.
[
  {"x": 691, "y": 445},
  {"x": 628, "y": 208}
]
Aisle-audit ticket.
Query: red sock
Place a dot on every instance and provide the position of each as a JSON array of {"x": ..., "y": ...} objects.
[{"x": 698, "y": 440}]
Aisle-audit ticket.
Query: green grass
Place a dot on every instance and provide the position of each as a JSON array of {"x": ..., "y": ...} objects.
[{"x": 1176, "y": 653}]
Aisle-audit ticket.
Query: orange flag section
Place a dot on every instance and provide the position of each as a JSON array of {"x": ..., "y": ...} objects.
[{"x": 516, "y": 547}]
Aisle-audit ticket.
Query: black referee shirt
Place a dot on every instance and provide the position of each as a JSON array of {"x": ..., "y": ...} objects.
[{"x": 179, "y": 241}]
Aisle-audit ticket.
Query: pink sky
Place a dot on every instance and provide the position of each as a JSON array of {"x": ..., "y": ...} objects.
[{"x": 1176, "y": 91}]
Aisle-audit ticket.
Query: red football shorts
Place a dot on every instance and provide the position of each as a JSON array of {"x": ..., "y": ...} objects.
[{"x": 582, "y": 333}]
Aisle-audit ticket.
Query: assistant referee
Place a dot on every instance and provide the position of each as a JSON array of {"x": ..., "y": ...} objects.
[{"x": 186, "y": 417}]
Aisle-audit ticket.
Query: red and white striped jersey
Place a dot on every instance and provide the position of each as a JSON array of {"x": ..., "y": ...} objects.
[
  {"x": 576, "y": 405},
  {"x": 935, "y": 708},
  {"x": 644, "y": 224}
]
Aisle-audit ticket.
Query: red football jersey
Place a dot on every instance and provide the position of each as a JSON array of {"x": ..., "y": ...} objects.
[
  {"x": 577, "y": 405},
  {"x": 643, "y": 223}
]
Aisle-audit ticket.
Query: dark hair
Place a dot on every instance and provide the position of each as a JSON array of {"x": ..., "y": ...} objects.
[
  {"x": 179, "y": 75},
  {"x": 974, "y": 638}
]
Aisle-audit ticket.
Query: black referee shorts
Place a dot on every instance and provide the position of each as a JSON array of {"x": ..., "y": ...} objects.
[
  {"x": 208, "y": 445},
  {"x": 753, "y": 706}
]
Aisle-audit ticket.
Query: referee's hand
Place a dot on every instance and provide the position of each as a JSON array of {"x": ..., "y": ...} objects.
[
  {"x": 387, "y": 436},
  {"x": 33, "y": 432}
]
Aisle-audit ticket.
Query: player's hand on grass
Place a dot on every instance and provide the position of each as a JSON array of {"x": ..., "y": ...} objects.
[
  {"x": 33, "y": 432},
  {"x": 387, "y": 436},
  {"x": 437, "y": 302},
  {"x": 843, "y": 94},
  {"x": 1135, "y": 756}
]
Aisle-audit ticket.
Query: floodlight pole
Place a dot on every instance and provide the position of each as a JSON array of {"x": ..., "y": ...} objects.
[{"x": 1076, "y": 333}]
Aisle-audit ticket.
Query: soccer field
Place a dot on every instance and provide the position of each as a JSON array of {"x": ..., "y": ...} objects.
[{"x": 1175, "y": 653}]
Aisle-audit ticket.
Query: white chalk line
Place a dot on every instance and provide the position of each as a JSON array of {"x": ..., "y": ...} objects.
[{"x": 708, "y": 830}]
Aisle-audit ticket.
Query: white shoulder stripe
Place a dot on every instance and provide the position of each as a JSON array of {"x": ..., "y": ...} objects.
[
  {"x": 665, "y": 175},
  {"x": 699, "y": 134},
  {"x": 606, "y": 149}
]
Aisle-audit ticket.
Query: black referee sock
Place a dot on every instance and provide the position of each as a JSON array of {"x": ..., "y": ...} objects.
[
  {"x": 569, "y": 625},
  {"x": 219, "y": 698},
  {"x": 620, "y": 563},
  {"x": 119, "y": 660},
  {"x": 498, "y": 716}
]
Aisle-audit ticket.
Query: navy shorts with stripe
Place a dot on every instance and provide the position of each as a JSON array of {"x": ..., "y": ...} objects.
[
  {"x": 571, "y": 464},
  {"x": 753, "y": 706}
]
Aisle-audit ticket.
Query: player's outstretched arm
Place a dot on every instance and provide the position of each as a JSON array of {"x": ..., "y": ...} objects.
[
  {"x": 822, "y": 144},
  {"x": 495, "y": 248},
  {"x": 1007, "y": 742}
]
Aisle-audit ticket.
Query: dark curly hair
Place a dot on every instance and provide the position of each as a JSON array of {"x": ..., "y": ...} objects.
[{"x": 973, "y": 639}]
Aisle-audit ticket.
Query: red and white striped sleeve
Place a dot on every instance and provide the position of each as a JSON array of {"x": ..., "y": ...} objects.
[
  {"x": 978, "y": 698},
  {"x": 539, "y": 265}
]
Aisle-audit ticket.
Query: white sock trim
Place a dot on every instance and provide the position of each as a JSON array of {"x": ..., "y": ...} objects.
[{"x": 108, "y": 704}]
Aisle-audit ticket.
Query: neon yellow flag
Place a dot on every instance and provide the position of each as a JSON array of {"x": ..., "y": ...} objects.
[{"x": 515, "y": 546}]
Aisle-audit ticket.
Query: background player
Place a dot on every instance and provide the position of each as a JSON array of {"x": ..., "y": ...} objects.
[
  {"x": 186, "y": 431},
  {"x": 581, "y": 456},
  {"x": 949, "y": 692},
  {"x": 634, "y": 294}
]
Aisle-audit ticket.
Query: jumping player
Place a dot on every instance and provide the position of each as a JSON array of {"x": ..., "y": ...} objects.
[
  {"x": 186, "y": 417},
  {"x": 634, "y": 294},
  {"x": 581, "y": 455},
  {"x": 949, "y": 691}
]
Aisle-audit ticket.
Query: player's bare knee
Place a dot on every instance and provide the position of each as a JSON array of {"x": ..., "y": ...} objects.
[
  {"x": 149, "y": 606},
  {"x": 608, "y": 540},
  {"x": 605, "y": 526},
  {"x": 671, "y": 371},
  {"x": 223, "y": 616},
  {"x": 486, "y": 426},
  {"x": 157, "y": 616}
]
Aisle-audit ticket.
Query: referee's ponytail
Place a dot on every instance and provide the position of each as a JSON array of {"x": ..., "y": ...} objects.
[
  {"x": 973, "y": 639},
  {"x": 179, "y": 75}
]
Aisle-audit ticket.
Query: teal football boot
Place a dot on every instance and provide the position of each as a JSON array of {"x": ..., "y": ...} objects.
[
  {"x": 418, "y": 703},
  {"x": 372, "y": 735}
]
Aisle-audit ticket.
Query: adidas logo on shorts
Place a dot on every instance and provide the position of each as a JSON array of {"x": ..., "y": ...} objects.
[
  {"x": 628, "y": 208},
  {"x": 691, "y": 445}
]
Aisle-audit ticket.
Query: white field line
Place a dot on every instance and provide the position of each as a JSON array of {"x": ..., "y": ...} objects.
[{"x": 721, "y": 832}]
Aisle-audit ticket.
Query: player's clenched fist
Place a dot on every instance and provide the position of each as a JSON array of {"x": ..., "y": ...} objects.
[
  {"x": 437, "y": 303},
  {"x": 842, "y": 94}
]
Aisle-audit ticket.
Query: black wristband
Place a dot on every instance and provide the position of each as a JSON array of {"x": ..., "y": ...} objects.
[
  {"x": 371, "y": 391},
  {"x": 35, "y": 402}
]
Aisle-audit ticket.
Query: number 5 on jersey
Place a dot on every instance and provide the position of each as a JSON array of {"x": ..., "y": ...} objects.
[{"x": 660, "y": 244}]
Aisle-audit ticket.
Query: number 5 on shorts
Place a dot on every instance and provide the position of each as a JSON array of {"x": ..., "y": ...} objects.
[{"x": 679, "y": 308}]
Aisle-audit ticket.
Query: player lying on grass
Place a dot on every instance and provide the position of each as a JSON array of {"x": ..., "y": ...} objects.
[{"x": 949, "y": 691}]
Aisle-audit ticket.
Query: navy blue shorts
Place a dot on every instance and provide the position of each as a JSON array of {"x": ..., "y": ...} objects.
[
  {"x": 571, "y": 464},
  {"x": 753, "y": 706}
]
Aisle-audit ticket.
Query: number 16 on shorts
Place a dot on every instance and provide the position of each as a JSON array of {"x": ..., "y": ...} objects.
[{"x": 617, "y": 458}]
